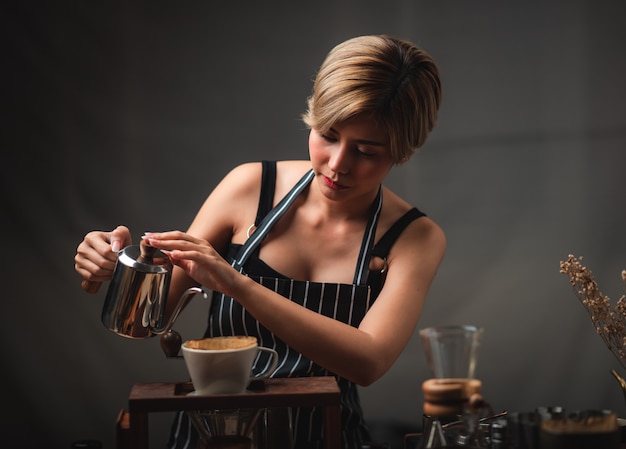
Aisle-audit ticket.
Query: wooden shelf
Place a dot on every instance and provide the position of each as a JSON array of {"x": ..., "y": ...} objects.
[{"x": 267, "y": 393}]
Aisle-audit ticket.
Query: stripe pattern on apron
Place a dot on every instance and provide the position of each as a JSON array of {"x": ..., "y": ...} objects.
[{"x": 347, "y": 303}]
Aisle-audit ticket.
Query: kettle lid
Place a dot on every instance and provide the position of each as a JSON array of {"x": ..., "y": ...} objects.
[{"x": 145, "y": 259}]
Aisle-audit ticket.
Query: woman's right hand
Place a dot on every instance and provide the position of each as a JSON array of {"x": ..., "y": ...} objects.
[{"x": 96, "y": 256}]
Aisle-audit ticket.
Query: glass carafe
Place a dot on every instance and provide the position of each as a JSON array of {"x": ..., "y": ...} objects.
[{"x": 451, "y": 352}]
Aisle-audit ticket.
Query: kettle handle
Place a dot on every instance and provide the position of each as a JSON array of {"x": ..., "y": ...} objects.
[{"x": 90, "y": 286}]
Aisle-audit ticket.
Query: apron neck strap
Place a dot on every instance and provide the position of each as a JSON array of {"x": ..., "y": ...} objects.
[
  {"x": 264, "y": 227},
  {"x": 362, "y": 267},
  {"x": 270, "y": 219}
]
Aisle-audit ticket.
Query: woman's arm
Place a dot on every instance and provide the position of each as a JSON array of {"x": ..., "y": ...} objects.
[
  {"x": 223, "y": 216},
  {"x": 365, "y": 354},
  {"x": 361, "y": 355}
]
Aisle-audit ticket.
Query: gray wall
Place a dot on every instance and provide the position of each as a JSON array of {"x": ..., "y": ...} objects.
[{"x": 129, "y": 113}]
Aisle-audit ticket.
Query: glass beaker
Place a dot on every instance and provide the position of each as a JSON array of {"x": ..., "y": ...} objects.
[
  {"x": 232, "y": 429},
  {"x": 451, "y": 351}
]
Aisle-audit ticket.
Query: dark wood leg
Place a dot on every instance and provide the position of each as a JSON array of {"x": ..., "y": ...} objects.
[
  {"x": 139, "y": 434},
  {"x": 122, "y": 431},
  {"x": 332, "y": 427},
  {"x": 278, "y": 428}
]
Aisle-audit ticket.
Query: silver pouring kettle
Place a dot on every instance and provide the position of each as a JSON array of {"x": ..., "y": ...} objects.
[{"x": 135, "y": 305}]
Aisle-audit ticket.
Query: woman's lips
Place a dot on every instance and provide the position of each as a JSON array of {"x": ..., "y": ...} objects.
[{"x": 332, "y": 184}]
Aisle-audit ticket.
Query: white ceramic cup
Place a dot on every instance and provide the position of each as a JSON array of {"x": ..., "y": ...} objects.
[{"x": 227, "y": 369}]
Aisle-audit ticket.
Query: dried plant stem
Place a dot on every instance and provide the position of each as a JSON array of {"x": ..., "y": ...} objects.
[
  {"x": 609, "y": 324},
  {"x": 621, "y": 381}
]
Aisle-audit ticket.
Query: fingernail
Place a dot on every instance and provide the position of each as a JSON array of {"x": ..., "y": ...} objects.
[{"x": 115, "y": 246}]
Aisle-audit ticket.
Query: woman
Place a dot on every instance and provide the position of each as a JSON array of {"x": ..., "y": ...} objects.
[{"x": 315, "y": 257}]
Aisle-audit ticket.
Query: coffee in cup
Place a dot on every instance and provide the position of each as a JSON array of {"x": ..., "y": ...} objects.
[{"x": 223, "y": 365}]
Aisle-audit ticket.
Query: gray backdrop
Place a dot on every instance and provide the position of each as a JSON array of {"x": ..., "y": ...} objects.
[{"x": 129, "y": 113}]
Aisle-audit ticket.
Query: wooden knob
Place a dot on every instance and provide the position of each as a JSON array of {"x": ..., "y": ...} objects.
[{"x": 170, "y": 343}]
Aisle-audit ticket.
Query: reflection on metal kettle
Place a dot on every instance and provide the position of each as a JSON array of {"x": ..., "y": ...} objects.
[{"x": 136, "y": 301}]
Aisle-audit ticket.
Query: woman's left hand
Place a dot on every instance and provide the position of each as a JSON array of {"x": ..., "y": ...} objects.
[{"x": 197, "y": 258}]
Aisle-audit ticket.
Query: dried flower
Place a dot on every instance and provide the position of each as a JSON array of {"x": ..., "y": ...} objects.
[{"x": 609, "y": 324}]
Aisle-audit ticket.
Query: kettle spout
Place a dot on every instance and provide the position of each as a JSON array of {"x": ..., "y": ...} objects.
[
  {"x": 182, "y": 302},
  {"x": 170, "y": 339}
]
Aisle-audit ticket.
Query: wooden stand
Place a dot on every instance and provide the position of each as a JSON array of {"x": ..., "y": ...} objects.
[{"x": 268, "y": 393}]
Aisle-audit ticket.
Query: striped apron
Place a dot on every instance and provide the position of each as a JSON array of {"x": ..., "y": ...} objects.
[{"x": 347, "y": 303}]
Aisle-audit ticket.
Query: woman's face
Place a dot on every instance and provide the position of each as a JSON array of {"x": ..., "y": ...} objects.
[{"x": 351, "y": 159}]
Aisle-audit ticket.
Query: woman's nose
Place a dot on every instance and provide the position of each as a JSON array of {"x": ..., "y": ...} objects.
[{"x": 339, "y": 160}]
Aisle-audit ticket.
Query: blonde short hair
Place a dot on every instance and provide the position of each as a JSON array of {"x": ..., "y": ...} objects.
[{"x": 391, "y": 79}]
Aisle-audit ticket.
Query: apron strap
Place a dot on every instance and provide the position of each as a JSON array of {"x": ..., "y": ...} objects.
[
  {"x": 268, "y": 185},
  {"x": 270, "y": 219},
  {"x": 362, "y": 267}
]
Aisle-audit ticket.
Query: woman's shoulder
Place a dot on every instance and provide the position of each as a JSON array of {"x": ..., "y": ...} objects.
[
  {"x": 247, "y": 176},
  {"x": 395, "y": 207},
  {"x": 245, "y": 171},
  {"x": 295, "y": 168},
  {"x": 288, "y": 173}
]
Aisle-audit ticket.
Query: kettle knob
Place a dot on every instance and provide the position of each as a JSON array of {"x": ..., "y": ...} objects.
[{"x": 147, "y": 252}]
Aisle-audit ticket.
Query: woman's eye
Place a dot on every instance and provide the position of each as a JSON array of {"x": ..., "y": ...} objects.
[{"x": 365, "y": 153}]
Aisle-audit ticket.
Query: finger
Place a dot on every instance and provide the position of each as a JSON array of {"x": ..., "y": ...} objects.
[
  {"x": 97, "y": 246},
  {"x": 173, "y": 235},
  {"x": 91, "y": 264},
  {"x": 91, "y": 271},
  {"x": 174, "y": 240},
  {"x": 119, "y": 238}
]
